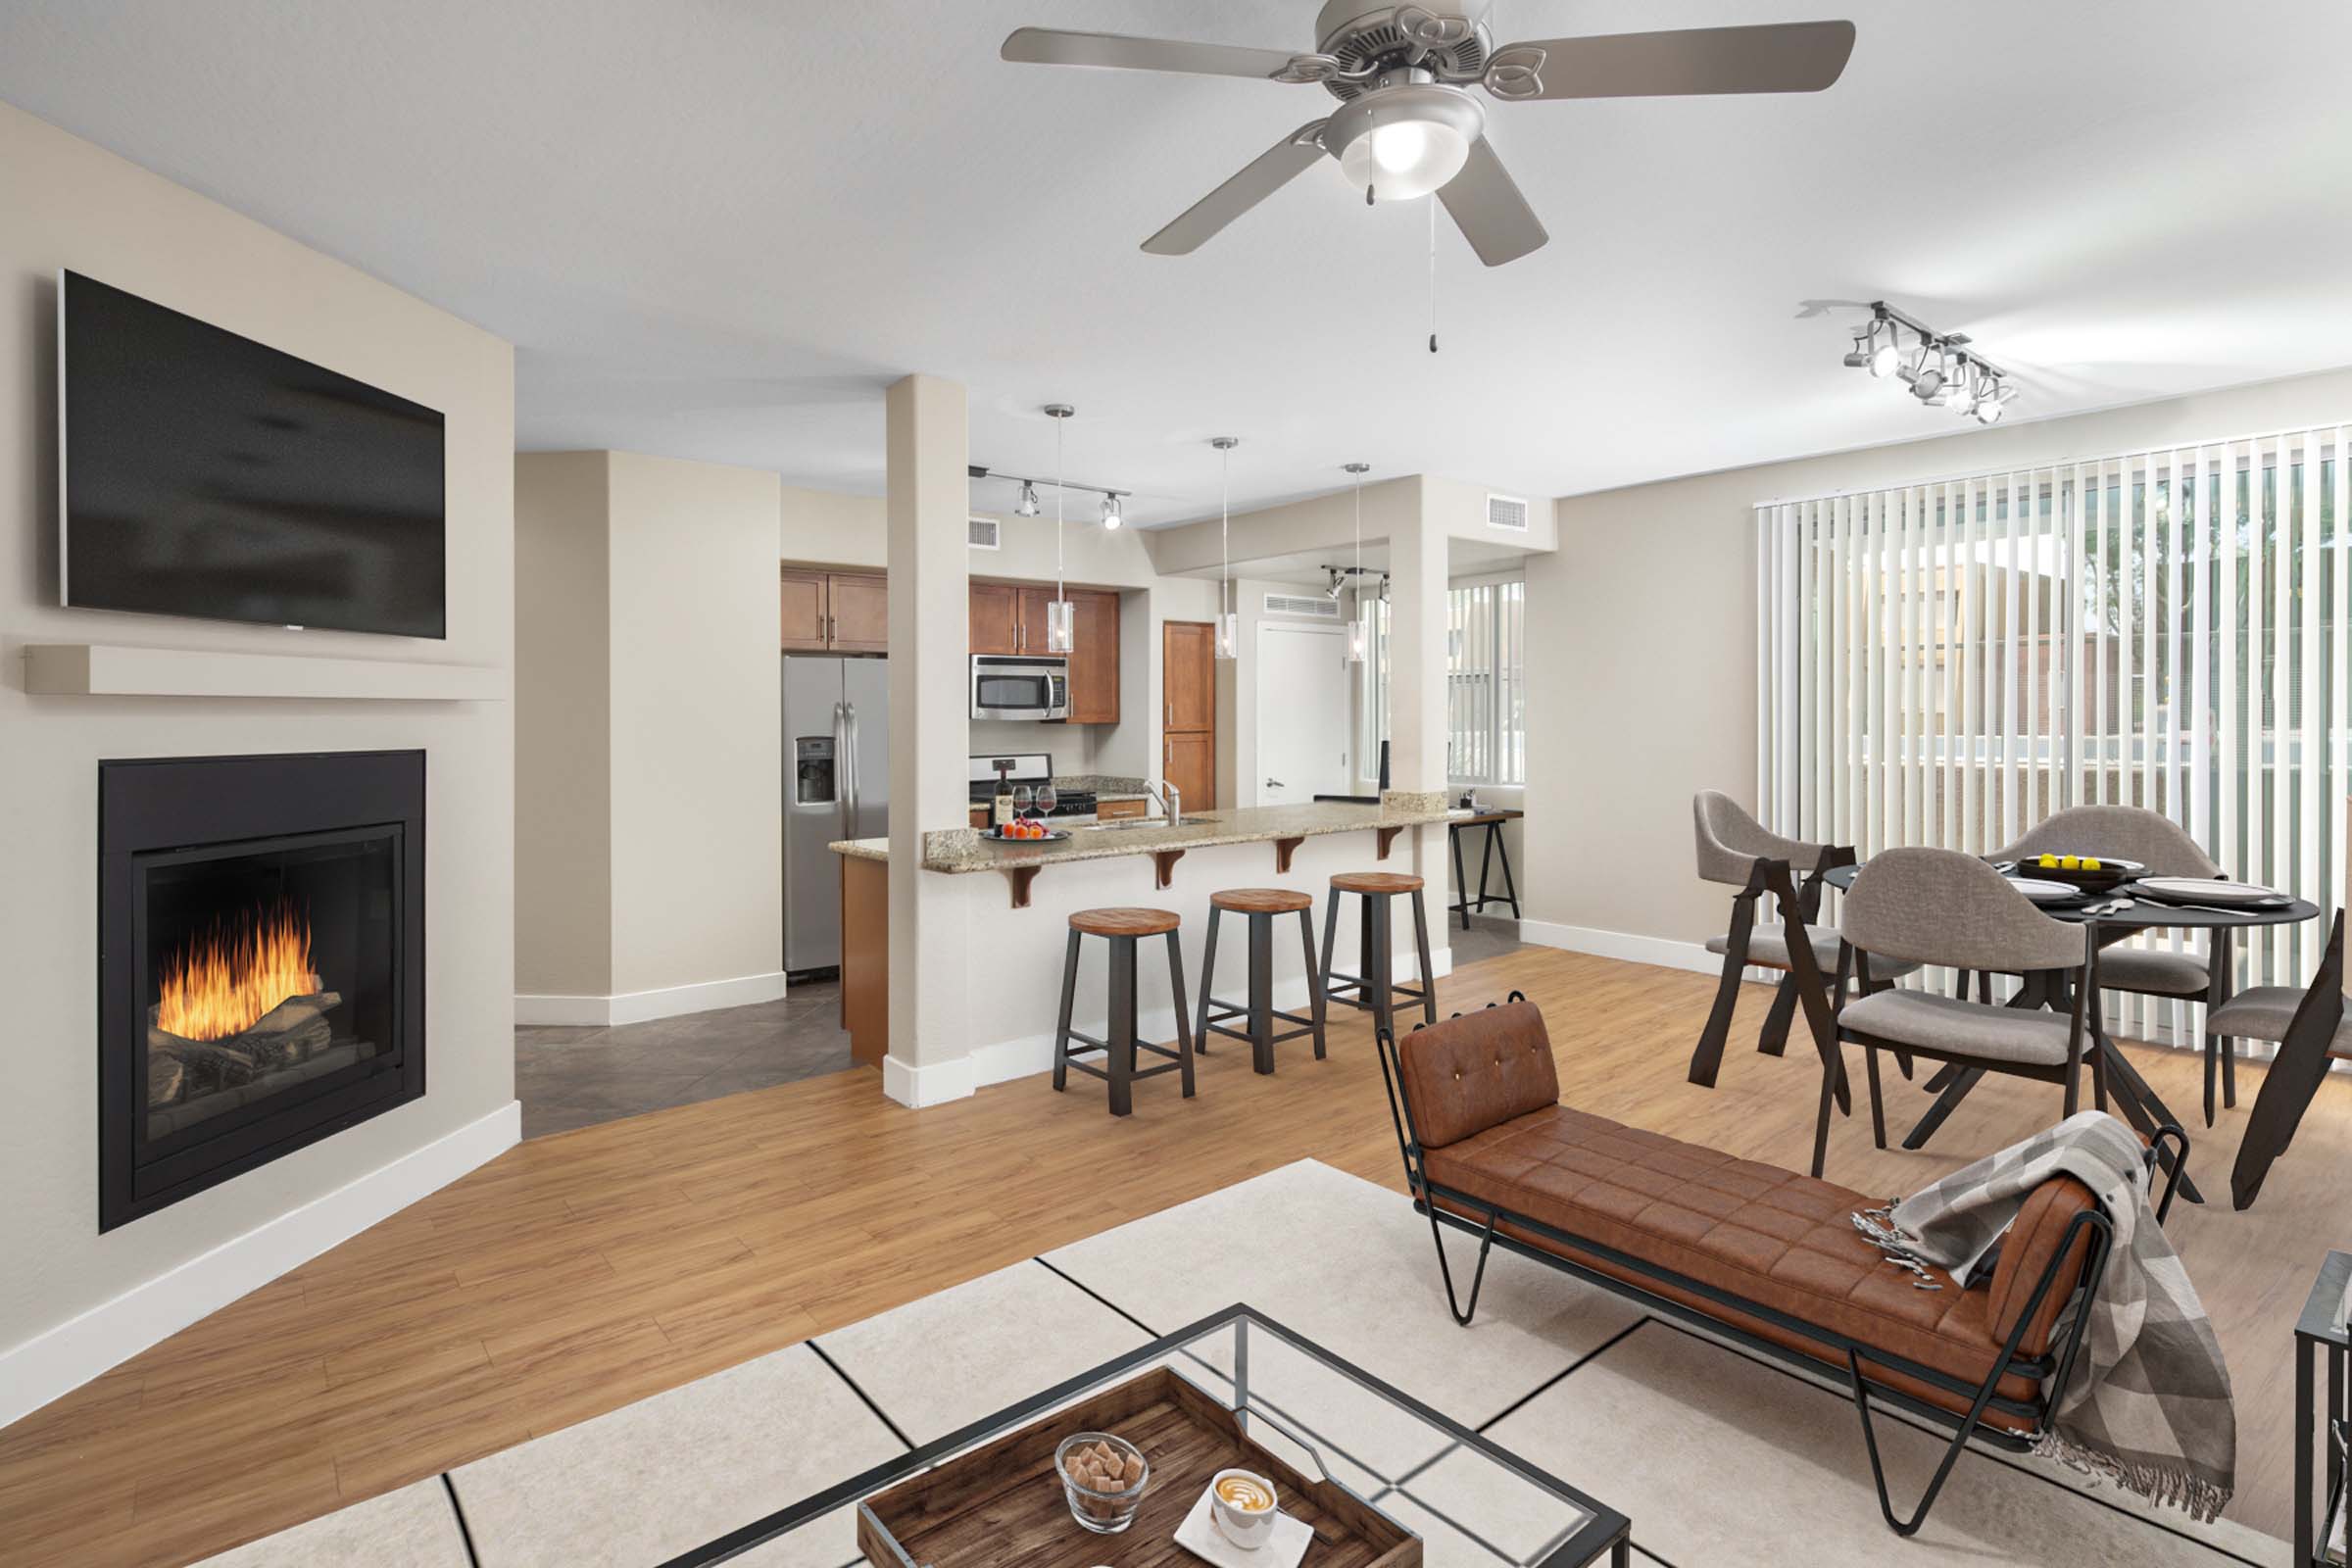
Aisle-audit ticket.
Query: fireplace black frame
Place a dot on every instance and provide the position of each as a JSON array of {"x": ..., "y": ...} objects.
[{"x": 151, "y": 807}]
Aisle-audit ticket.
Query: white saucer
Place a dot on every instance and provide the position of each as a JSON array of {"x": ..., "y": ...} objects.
[{"x": 1199, "y": 1536}]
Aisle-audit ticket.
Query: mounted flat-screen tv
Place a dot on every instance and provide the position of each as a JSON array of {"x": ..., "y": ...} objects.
[{"x": 202, "y": 474}]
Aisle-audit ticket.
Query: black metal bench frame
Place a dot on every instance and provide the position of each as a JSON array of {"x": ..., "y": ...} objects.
[{"x": 2049, "y": 1372}]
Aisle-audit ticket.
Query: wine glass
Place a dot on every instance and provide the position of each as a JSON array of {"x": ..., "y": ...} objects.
[
  {"x": 1047, "y": 800},
  {"x": 1023, "y": 795}
]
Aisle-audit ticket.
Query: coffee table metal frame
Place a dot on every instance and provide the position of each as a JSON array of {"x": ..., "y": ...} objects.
[{"x": 1604, "y": 1534}]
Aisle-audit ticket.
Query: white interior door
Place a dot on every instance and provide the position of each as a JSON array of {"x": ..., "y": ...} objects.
[{"x": 1301, "y": 713}]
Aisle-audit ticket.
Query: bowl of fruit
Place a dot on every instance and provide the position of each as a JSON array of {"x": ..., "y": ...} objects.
[
  {"x": 2092, "y": 873},
  {"x": 1024, "y": 830}
]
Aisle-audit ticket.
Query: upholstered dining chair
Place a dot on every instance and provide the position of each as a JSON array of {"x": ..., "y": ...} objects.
[
  {"x": 2164, "y": 847},
  {"x": 2310, "y": 1030},
  {"x": 1921, "y": 906},
  {"x": 1734, "y": 850}
]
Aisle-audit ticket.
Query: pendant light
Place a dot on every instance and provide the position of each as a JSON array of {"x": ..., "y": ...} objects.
[
  {"x": 1229, "y": 620},
  {"x": 1360, "y": 625},
  {"x": 1060, "y": 615}
]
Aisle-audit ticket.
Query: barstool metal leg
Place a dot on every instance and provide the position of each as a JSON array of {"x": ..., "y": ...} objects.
[
  {"x": 1261, "y": 993},
  {"x": 1209, "y": 973},
  {"x": 1379, "y": 965},
  {"x": 1429, "y": 981},
  {"x": 1185, "y": 1043},
  {"x": 1331, "y": 931},
  {"x": 1314, "y": 976},
  {"x": 1120, "y": 1036},
  {"x": 1061, "y": 1031}
]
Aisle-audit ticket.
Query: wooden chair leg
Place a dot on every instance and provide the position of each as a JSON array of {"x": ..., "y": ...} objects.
[
  {"x": 1773, "y": 1039},
  {"x": 1707, "y": 1060},
  {"x": 1821, "y": 1120},
  {"x": 1061, "y": 1032},
  {"x": 2212, "y": 1070},
  {"x": 2098, "y": 1079},
  {"x": 1878, "y": 1116},
  {"x": 2229, "y": 1075}
]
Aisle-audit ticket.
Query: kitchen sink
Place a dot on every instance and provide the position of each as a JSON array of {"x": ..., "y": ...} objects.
[{"x": 1125, "y": 824}]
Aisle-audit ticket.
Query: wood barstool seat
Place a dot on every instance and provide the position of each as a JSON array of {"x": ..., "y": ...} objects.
[
  {"x": 1121, "y": 928},
  {"x": 1377, "y": 889},
  {"x": 1260, "y": 906}
]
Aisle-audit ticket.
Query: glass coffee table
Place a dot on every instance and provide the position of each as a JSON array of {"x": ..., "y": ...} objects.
[{"x": 1470, "y": 1501}]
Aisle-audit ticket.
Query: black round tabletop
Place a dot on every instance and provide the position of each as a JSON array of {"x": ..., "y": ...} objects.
[{"x": 2142, "y": 914}]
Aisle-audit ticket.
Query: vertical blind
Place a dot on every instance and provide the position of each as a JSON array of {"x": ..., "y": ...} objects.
[
  {"x": 1947, "y": 662},
  {"x": 1485, "y": 682}
]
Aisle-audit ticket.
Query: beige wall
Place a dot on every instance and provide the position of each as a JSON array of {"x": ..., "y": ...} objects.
[
  {"x": 1642, "y": 644},
  {"x": 69, "y": 205},
  {"x": 649, "y": 731},
  {"x": 563, "y": 725},
  {"x": 698, "y": 750}
]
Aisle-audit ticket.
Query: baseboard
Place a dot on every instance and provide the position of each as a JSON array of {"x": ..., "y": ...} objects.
[
  {"x": 56, "y": 1363},
  {"x": 642, "y": 1006},
  {"x": 1663, "y": 951},
  {"x": 932, "y": 1084}
]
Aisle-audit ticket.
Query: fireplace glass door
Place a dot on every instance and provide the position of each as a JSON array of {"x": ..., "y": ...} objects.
[{"x": 262, "y": 967}]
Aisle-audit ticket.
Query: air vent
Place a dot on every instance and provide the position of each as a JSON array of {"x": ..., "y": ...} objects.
[
  {"x": 1507, "y": 512},
  {"x": 982, "y": 533},
  {"x": 1317, "y": 606}
]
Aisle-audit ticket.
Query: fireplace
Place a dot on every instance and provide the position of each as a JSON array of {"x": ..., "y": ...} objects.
[{"x": 261, "y": 976}]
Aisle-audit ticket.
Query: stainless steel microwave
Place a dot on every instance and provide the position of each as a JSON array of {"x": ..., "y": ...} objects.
[{"x": 1021, "y": 686}]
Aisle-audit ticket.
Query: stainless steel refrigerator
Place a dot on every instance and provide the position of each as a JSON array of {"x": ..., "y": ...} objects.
[{"x": 836, "y": 786}]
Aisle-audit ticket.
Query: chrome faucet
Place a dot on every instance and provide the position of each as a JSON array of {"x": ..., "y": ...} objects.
[{"x": 1170, "y": 802}]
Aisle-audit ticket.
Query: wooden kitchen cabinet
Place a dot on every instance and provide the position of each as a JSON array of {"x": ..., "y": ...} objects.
[
  {"x": 832, "y": 612},
  {"x": 800, "y": 612},
  {"x": 1094, "y": 657},
  {"x": 859, "y": 611},
  {"x": 995, "y": 619},
  {"x": 1189, "y": 760},
  {"x": 1189, "y": 675},
  {"x": 1036, "y": 605}
]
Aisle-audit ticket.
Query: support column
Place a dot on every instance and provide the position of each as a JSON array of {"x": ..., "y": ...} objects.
[
  {"x": 1417, "y": 659},
  {"x": 928, "y": 501}
]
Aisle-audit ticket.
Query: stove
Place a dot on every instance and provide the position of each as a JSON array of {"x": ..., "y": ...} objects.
[{"x": 1031, "y": 768}]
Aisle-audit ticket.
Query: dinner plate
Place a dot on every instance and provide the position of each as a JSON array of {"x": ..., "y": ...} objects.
[
  {"x": 2202, "y": 890},
  {"x": 2041, "y": 892}
]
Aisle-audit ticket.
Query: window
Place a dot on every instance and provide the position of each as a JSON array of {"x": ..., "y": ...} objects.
[
  {"x": 1948, "y": 664},
  {"x": 1485, "y": 683}
]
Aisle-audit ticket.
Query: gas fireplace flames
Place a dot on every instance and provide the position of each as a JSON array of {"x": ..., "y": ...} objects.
[{"x": 225, "y": 982}]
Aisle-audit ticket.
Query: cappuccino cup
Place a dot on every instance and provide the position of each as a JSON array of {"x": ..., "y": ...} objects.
[{"x": 1241, "y": 1503}]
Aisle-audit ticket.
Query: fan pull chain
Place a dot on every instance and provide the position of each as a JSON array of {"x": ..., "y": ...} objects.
[{"x": 1433, "y": 274}]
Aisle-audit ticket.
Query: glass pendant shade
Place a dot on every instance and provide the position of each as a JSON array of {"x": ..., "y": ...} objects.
[
  {"x": 1359, "y": 639},
  {"x": 1060, "y": 620},
  {"x": 1229, "y": 635}
]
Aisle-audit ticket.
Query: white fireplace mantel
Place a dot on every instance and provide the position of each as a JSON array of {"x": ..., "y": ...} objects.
[{"x": 112, "y": 669}]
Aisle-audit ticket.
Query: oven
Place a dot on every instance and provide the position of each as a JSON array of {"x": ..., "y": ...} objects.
[{"x": 1021, "y": 686}]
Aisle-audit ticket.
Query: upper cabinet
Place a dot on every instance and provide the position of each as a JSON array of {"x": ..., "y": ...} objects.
[
  {"x": 1010, "y": 619},
  {"x": 837, "y": 613}
]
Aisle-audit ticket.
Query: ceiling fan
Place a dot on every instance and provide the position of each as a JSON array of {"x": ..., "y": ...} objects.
[{"x": 1407, "y": 124}]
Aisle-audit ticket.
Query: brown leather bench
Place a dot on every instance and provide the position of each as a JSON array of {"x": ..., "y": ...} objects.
[{"x": 1764, "y": 1256}]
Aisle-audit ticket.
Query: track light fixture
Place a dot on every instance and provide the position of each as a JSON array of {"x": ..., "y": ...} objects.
[
  {"x": 1114, "y": 513},
  {"x": 1941, "y": 370},
  {"x": 1111, "y": 516},
  {"x": 1027, "y": 506}
]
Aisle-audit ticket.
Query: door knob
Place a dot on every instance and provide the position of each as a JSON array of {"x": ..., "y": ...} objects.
[{"x": 1276, "y": 784}]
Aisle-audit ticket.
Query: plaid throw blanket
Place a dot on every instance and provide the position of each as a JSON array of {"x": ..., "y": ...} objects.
[{"x": 2148, "y": 1404}]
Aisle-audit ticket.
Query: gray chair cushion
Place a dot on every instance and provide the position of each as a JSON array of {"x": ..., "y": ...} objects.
[
  {"x": 1768, "y": 949},
  {"x": 2258, "y": 1012},
  {"x": 1961, "y": 1028},
  {"x": 2154, "y": 971}
]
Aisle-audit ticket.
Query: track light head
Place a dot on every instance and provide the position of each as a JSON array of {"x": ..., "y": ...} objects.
[
  {"x": 1113, "y": 517},
  {"x": 1027, "y": 506},
  {"x": 1884, "y": 357}
]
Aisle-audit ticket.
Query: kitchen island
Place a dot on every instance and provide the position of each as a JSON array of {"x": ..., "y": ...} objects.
[{"x": 1018, "y": 917}]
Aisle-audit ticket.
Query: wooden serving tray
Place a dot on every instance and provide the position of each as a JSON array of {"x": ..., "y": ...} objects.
[{"x": 1003, "y": 1504}]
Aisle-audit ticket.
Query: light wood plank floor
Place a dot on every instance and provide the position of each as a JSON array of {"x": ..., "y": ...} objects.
[{"x": 584, "y": 1271}]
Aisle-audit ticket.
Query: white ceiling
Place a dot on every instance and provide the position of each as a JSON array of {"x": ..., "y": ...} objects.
[{"x": 716, "y": 229}]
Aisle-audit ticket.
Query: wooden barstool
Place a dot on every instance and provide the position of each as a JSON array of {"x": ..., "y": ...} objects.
[
  {"x": 1376, "y": 889},
  {"x": 1121, "y": 928},
  {"x": 1261, "y": 906}
]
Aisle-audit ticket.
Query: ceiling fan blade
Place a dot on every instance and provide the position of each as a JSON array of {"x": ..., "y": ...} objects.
[
  {"x": 1050, "y": 46},
  {"x": 1776, "y": 57},
  {"x": 1260, "y": 178},
  {"x": 1486, "y": 207}
]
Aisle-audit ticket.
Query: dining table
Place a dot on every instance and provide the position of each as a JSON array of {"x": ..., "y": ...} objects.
[{"x": 2112, "y": 915}]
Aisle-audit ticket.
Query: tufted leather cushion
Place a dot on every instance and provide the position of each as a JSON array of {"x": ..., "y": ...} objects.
[
  {"x": 1472, "y": 1072},
  {"x": 1765, "y": 1235},
  {"x": 2025, "y": 1251}
]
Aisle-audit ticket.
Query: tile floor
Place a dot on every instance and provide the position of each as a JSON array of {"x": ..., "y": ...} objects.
[
  {"x": 577, "y": 1077},
  {"x": 1490, "y": 937}
]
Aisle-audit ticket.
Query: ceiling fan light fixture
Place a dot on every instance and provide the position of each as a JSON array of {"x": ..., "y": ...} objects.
[{"x": 1405, "y": 141}]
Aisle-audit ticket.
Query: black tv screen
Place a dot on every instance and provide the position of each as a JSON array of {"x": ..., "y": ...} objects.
[{"x": 202, "y": 474}]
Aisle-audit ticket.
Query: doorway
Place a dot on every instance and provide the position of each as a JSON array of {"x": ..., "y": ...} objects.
[
  {"x": 1302, "y": 684},
  {"x": 1187, "y": 689}
]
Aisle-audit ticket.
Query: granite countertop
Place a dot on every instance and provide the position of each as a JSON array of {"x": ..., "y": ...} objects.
[{"x": 958, "y": 850}]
